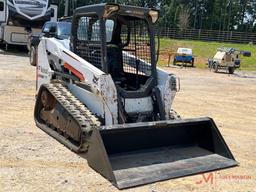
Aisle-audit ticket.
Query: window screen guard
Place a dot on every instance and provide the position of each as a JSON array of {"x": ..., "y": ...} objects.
[
  {"x": 136, "y": 51},
  {"x": 136, "y": 54},
  {"x": 88, "y": 41}
]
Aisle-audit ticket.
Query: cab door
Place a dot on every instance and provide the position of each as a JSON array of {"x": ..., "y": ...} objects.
[{"x": 2, "y": 11}]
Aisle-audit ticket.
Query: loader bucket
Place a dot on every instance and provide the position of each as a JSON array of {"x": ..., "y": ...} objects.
[{"x": 135, "y": 154}]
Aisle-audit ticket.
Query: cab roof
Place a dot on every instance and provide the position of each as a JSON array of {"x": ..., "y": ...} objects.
[{"x": 127, "y": 10}]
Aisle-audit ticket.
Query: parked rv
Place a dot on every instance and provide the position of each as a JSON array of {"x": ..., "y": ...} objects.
[{"x": 19, "y": 18}]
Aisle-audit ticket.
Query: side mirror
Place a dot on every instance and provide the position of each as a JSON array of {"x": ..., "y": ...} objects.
[
  {"x": 49, "y": 32},
  {"x": 46, "y": 32}
]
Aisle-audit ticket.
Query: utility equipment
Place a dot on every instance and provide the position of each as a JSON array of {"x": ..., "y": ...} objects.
[
  {"x": 227, "y": 58},
  {"x": 184, "y": 56}
]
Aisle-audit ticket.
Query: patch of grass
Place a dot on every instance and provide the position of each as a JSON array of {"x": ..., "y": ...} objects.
[{"x": 204, "y": 50}]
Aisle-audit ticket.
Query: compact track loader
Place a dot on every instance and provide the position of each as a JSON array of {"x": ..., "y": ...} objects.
[{"x": 104, "y": 96}]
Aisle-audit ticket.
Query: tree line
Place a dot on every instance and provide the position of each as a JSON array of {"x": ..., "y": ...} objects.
[{"x": 223, "y": 15}]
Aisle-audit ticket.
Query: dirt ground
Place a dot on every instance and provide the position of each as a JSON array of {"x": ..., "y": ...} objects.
[{"x": 30, "y": 160}]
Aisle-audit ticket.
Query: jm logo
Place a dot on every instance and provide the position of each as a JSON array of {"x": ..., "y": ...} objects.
[{"x": 207, "y": 178}]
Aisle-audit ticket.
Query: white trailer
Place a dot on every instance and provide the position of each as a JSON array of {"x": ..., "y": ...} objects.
[{"x": 19, "y": 17}]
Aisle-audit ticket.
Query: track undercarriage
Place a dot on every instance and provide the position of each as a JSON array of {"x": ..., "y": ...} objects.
[{"x": 64, "y": 117}]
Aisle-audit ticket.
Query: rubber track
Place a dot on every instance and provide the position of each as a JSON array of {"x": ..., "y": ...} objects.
[{"x": 78, "y": 111}]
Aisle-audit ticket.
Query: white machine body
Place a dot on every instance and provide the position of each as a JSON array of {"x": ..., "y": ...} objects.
[{"x": 102, "y": 98}]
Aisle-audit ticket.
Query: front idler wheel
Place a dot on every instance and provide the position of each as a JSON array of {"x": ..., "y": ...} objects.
[{"x": 47, "y": 100}]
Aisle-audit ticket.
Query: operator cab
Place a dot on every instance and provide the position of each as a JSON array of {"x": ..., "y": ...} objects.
[{"x": 118, "y": 40}]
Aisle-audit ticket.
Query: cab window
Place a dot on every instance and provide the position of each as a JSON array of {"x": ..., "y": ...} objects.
[{"x": 89, "y": 29}]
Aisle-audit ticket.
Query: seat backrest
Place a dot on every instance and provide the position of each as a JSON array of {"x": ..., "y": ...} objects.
[{"x": 114, "y": 60}]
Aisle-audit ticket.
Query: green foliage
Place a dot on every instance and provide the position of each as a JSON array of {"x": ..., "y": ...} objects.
[
  {"x": 204, "y": 14},
  {"x": 204, "y": 50}
]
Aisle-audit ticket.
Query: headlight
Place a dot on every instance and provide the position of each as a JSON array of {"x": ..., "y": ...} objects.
[
  {"x": 110, "y": 9},
  {"x": 154, "y": 15}
]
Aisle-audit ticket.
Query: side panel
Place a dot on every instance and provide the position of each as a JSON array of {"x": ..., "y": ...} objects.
[
  {"x": 15, "y": 35},
  {"x": 3, "y": 11},
  {"x": 219, "y": 56},
  {"x": 167, "y": 84},
  {"x": 101, "y": 84},
  {"x": 92, "y": 101},
  {"x": 109, "y": 94},
  {"x": 90, "y": 73},
  {"x": 138, "y": 105},
  {"x": 43, "y": 70}
]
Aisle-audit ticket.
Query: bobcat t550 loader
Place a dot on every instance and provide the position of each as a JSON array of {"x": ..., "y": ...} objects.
[{"x": 104, "y": 96}]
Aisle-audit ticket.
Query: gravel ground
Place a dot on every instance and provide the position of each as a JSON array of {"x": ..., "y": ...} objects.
[{"x": 30, "y": 160}]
